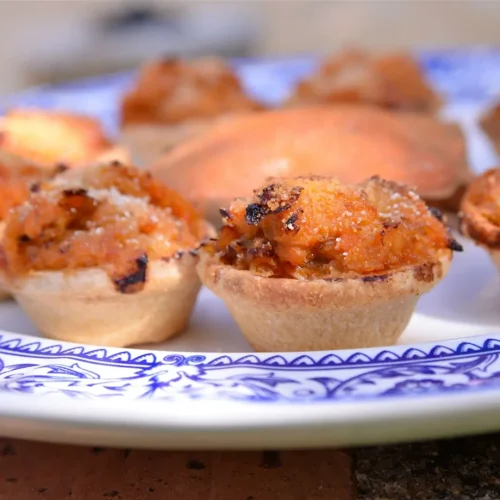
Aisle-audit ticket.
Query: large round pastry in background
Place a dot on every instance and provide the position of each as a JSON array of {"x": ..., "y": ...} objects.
[{"x": 344, "y": 141}]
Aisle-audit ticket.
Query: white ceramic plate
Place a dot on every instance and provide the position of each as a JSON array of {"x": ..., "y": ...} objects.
[{"x": 206, "y": 389}]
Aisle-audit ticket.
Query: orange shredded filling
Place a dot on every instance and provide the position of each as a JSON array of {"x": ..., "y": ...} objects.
[
  {"x": 393, "y": 81},
  {"x": 16, "y": 182},
  {"x": 171, "y": 91},
  {"x": 315, "y": 227},
  {"x": 484, "y": 194},
  {"x": 111, "y": 216},
  {"x": 51, "y": 137}
]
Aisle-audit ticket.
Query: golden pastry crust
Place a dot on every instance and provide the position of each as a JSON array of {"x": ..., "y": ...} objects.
[
  {"x": 480, "y": 210},
  {"x": 392, "y": 81},
  {"x": 173, "y": 91},
  {"x": 48, "y": 138},
  {"x": 412, "y": 148},
  {"x": 490, "y": 123}
]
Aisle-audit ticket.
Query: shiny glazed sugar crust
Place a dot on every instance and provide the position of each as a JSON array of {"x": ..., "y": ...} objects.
[
  {"x": 171, "y": 91},
  {"x": 315, "y": 227},
  {"x": 111, "y": 217}
]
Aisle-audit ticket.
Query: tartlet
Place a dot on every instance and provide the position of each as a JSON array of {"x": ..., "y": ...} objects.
[
  {"x": 47, "y": 138},
  {"x": 17, "y": 179},
  {"x": 393, "y": 81},
  {"x": 490, "y": 123},
  {"x": 173, "y": 100},
  {"x": 480, "y": 213},
  {"x": 311, "y": 264},
  {"x": 104, "y": 255},
  {"x": 349, "y": 142}
]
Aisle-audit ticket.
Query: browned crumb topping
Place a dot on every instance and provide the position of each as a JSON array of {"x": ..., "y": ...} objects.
[
  {"x": 172, "y": 90},
  {"x": 16, "y": 182},
  {"x": 113, "y": 217},
  {"x": 51, "y": 137},
  {"x": 481, "y": 209},
  {"x": 392, "y": 81},
  {"x": 315, "y": 227}
]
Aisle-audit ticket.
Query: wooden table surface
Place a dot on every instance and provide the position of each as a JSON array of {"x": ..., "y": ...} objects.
[{"x": 466, "y": 469}]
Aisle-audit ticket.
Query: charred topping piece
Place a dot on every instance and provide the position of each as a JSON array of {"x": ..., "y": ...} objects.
[
  {"x": 134, "y": 282},
  {"x": 273, "y": 199},
  {"x": 436, "y": 213},
  {"x": 455, "y": 245},
  {"x": 378, "y": 277},
  {"x": 254, "y": 213},
  {"x": 261, "y": 248},
  {"x": 225, "y": 214},
  {"x": 24, "y": 238},
  {"x": 291, "y": 222},
  {"x": 61, "y": 168}
]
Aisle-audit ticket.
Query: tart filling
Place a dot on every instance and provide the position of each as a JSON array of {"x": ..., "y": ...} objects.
[
  {"x": 53, "y": 137},
  {"x": 18, "y": 178},
  {"x": 393, "y": 81},
  {"x": 173, "y": 91},
  {"x": 480, "y": 211},
  {"x": 316, "y": 228},
  {"x": 174, "y": 100},
  {"x": 110, "y": 217}
]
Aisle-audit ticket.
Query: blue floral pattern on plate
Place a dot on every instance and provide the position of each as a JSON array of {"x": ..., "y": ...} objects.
[
  {"x": 43, "y": 367},
  {"x": 32, "y": 366}
]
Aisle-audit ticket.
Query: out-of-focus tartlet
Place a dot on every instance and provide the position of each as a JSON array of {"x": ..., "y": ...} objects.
[
  {"x": 17, "y": 179},
  {"x": 311, "y": 264},
  {"x": 104, "y": 255},
  {"x": 392, "y": 81},
  {"x": 349, "y": 142},
  {"x": 480, "y": 213},
  {"x": 48, "y": 138},
  {"x": 490, "y": 123},
  {"x": 173, "y": 100}
]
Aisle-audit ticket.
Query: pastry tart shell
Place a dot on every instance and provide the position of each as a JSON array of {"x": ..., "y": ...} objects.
[
  {"x": 84, "y": 306},
  {"x": 278, "y": 314}
]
